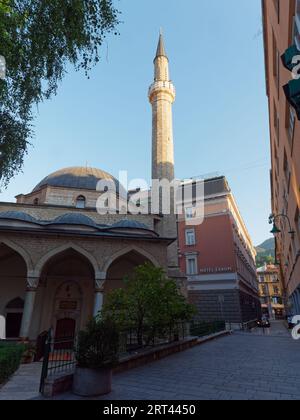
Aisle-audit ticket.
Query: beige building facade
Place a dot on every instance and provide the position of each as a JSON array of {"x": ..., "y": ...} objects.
[{"x": 270, "y": 291}]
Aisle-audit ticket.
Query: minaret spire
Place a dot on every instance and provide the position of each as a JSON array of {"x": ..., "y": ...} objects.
[
  {"x": 162, "y": 96},
  {"x": 161, "y": 51}
]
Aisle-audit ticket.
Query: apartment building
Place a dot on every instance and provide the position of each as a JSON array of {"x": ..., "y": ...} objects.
[
  {"x": 270, "y": 291},
  {"x": 218, "y": 258},
  {"x": 281, "y": 22}
]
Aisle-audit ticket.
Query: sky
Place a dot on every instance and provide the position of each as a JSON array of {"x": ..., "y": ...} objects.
[{"x": 220, "y": 115}]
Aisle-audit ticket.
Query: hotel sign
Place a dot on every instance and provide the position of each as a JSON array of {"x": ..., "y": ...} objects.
[{"x": 210, "y": 270}]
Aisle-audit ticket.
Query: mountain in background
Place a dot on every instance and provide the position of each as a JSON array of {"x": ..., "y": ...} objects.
[{"x": 266, "y": 252}]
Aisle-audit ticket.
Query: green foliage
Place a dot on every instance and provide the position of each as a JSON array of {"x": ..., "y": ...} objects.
[
  {"x": 201, "y": 329},
  {"x": 10, "y": 359},
  {"x": 13, "y": 145},
  {"x": 98, "y": 346},
  {"x": 38, "y": 40},
  {"x": 149, "y": 302},
  {"x": 261, "y": 260},
  {"x": 266, "y": 253}
]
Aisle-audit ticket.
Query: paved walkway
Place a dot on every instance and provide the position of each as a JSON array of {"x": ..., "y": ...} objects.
[
  {"x": 24, "y": 384},
  {"x": 239, "y": 367}
]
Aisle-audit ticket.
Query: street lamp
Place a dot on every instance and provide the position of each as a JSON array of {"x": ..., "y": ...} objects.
[{"x": 275, "y": 230}]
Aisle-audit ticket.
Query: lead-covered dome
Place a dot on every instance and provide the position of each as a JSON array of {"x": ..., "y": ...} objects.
[{"x": 76, "y": 177}]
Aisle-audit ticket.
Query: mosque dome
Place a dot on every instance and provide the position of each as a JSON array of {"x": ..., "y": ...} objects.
[
  {"x": 18, "y": 215},
  {"x": 130, "y": 224},
  {"x": 74, "y": 219},
  {"x": 77, "y": 177}
]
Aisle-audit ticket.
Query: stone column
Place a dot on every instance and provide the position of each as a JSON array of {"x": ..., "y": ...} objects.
[
  {"x": 32, "y": 286},
  {"x": 99, "y": 290}
]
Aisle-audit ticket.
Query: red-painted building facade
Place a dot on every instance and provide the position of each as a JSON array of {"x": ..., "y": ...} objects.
[{"x": 218, "y": 258}]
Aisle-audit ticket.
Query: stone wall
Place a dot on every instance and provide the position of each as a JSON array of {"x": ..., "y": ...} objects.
[{"x": 209, "y": 307}]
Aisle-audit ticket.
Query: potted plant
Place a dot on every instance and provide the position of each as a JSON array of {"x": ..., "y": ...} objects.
[{"x": 96, "y": 354}]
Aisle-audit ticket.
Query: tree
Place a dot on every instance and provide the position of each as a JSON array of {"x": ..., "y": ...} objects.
[
  {"x": 264, "y": 259},
  {"x": 38, "y": 39},
  {"x": 149, "y": 303}
]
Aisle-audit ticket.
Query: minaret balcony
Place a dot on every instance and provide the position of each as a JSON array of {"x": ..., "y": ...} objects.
[{"x": 162, "y": 86}]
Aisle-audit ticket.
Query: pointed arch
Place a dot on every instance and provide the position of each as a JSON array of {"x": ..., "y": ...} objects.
[
  {"x": 126, "y": 251},
  {"x": 21, "y": 251},
  {"x": 69, "y": 246}
]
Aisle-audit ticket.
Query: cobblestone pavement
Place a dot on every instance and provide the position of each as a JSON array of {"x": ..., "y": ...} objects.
[{"x": 238, "y": 367}]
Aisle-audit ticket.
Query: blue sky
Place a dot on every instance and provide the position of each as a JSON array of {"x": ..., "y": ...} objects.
[{"x": 220, "y": 115}]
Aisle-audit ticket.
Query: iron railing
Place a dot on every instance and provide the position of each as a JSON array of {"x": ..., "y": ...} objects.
[
  {"x": 59, "y": 358},
  {"x": 201, "y": 329},
  {"x": 59, "y": 355},
  {"x": 135, "y": 339}
]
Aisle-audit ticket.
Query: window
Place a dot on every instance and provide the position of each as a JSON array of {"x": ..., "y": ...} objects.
[
  {"x": 191, "y": 265},
  {"x": 36, "y": 202},
  {"x": 190, "y": 212},
  {"x": 190, "y": 237},
  {"x": 14, "y": 314},
  {"x": 297, "y": 25},
  {"x": 264, "y": 290},
  {"x": 286, "y": 170},
  {"x": 276, "y": 300},
  {"x": 297, "y": 220},
  {"x": 276, "y": 63},
  {"x": 291, "y": 125},
  {"x": 277, "y": 8},
  {"x": 276, "y": 123},
  {"x": 80, "y": 202}
]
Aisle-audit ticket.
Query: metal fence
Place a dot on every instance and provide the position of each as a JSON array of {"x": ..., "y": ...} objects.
[
  {"x": 135, "y": 339},
  {"x": 59, "y": 358},
  {"x": 201, "y": 329},
  {"x": 59, "y": 355}
]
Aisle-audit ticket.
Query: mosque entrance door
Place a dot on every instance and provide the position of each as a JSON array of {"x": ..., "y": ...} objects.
[{"x": 65, "y": 333}]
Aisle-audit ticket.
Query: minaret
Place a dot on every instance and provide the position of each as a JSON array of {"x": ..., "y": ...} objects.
[{"x": 162, "y": 96}]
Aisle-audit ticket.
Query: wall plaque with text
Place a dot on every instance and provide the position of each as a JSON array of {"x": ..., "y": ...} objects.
[{"x": 68, "y": 305}]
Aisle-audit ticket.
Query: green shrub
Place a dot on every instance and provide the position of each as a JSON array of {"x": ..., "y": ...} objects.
[
  {"x": 201, "y": 329},
  {"x": 10, "y": 359},
  {"x": 98, "y": 345}
]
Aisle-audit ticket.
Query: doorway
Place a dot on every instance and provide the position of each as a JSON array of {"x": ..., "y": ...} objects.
[
  {"x": 65, "y": 333},
  {"x": 13, "y": 325},
  {"x": 14, "y": 315}
]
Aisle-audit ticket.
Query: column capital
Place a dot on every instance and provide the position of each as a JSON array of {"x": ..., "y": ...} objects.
[
  {"x": 99, "y": 285},
  {"x": 32, "y": 283}
]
